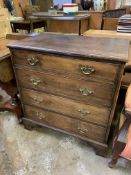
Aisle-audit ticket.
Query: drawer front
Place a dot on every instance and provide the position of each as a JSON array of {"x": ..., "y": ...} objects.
[
  {"x": 90, "y": 92},
  {"x": 67, "y": 66},
  {"x": 98, "y": 115},
  {"x": 70, "y": 125}
]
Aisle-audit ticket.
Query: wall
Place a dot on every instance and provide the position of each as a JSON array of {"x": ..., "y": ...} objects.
[
  {"x": 120, "y": 3},
  {"x": 1, "y": 3},
  {"x": 60, "y": 2},
  {"x": 44, "y": 4}
]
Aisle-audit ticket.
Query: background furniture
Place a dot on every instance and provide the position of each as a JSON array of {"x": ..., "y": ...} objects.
[
  {"x": 28, "y": 25},
  {"x": 95, "y": 19},
  {"x": 110, "y": 18},
  {"x": 63, "y": 82},
  {"x": 77, "y": 24},
  {"x": 122, "y": 143},
  {"x": 109, "y": 24},
  {"x": 7, "y": 82}
]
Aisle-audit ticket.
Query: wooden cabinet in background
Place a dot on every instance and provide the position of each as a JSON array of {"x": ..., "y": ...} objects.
[
  {"x": 61, "y": 23},
  {"x": 95, "y": 19},
  {"x": 70, "y": 83}
]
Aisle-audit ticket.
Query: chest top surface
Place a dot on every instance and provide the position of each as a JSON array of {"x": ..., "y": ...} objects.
[{"x": 102, "y": 48}]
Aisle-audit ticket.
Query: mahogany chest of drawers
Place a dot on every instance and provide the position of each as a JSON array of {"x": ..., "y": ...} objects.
[{"x": 70, "y": 83}]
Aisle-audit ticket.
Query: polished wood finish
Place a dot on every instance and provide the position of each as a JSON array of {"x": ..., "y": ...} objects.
[
  {"x": 110, "y": 23},
  {"x": 65, "y": 123},
  {"x": 62, "y": 44},
  {"x": 110, "y": 18},
  {"x": 19, "y": 36},
  {"x": 68, "y": 86},
  {"x": 60, "y": 23},
  {"x": 66, "y": 106},
  {"x": 68, "y": 66},
  {"x": 110, "y": 34},
  {"x": 70, "y": 83},
  {"x": 95, "y": 19},
  {"x": 60, "y": 26},
  {"x": 114, "y": 34},
  {"x": 107, "y": 33}
]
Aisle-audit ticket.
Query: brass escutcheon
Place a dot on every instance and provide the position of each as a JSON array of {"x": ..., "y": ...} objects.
[
  {"x": 84, "y": 112},
  {"x": 86, "y": 91},
  {"x": 87, "y": 70},
  {"x": 40, "y": 115},
  {"x": 82, "y": 130},
  {"x": 35, "y": 81},
  {"x": 32, "y": 61},
  {"x": 38, "y": 99}
]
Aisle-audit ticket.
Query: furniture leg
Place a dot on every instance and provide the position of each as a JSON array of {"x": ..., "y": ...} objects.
[
  {"x": 28, "y": 125},
  {"x": 14, "y": 29},
  {"x": 101, "y": 150},
  {"x": 116, "y": 153},
  {"x": 79, "y": 27},
  {"x": 120, "y": 143},
  {"x": 31, "y": 26}
]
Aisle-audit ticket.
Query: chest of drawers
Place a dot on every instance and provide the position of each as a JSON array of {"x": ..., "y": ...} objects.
[{"x": 70, "y": 83}]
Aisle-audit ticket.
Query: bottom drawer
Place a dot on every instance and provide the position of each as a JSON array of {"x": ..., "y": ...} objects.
[{"x": 67, "y": 124}]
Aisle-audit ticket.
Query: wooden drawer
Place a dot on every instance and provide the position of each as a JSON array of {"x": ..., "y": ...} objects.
[
  {"x": 94, "y": 114},
  {"x": 67, "y": 66},
  {"x": 70, "y": 125},
  {"x": 93, "y": 92}
]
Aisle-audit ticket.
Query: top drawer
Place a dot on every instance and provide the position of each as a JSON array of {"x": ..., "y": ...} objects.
[{"x": 66, "y": 65}]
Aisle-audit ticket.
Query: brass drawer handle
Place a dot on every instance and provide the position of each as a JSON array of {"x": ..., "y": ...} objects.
[
  {"x": 86, "y": 91},
  {"x": 32, "y": 61},
  {"x": 82, "y": 130},
  {"x": 38, "y": 99},
  {"x": 40, "y": 115},
  {"x": 35, "y": 81},
  {"x": 87, "y": 70},
  {"x": 84, "y": 112}
]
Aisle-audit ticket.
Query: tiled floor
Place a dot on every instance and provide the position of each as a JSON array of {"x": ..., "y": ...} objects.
[{"x": 46, "y": 152}]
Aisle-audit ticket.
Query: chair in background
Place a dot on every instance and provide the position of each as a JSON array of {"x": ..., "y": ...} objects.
[
  {"x": 29, "y": 23},
  {"x": 122, "y": 143},
  {"x": 110, "y": 18}
]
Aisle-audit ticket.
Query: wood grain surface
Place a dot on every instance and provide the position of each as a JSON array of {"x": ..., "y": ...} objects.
[
  {"x": 104, "y": 48},
  {"x": 65, "y": 106},
  {"x": 70, "y": 125},
  {"x": 67, "y": 66},
  {"x": 67, "y": 86}
]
